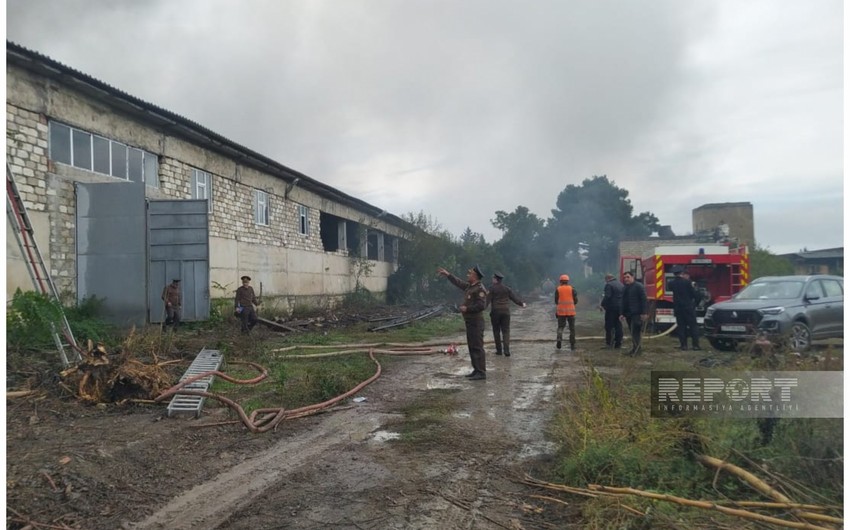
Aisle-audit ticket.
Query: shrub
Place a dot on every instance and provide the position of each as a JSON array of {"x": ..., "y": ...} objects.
[{"x": 31, "y": 314}]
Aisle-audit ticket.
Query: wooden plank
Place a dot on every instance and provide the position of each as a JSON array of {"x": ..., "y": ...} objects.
[{"x": 276, "y": 325}]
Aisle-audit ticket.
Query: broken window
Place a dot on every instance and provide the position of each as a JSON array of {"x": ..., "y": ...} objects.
[
  {"x": 353, "y": 237},
  {"x": 374, "y": 244},
  {"x": 390, "y": 248},
  {"x": 333, "y": 231}
]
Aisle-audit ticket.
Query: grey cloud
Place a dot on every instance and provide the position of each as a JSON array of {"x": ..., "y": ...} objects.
[{"x": 510, "y": 100}]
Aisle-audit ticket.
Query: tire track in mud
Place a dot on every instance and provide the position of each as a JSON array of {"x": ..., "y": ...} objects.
[{"x": 209, "y": 504}]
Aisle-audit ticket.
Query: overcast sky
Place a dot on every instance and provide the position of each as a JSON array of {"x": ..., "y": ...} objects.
[{"x": 460, "y": 108}]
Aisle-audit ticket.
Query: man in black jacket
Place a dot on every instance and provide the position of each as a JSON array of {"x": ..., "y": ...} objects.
[
  {"x": 685, "y": 300},
  {"x": 612, "y": 304},
  {"x": 634, "y": 309}
]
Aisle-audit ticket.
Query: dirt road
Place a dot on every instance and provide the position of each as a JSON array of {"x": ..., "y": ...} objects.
[
  {"x": 347, "y": 471},
  {"x": 426, "y": 449}
]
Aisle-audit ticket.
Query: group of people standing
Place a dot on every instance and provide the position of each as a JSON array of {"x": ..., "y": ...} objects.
[
  {"x": 626, "y": 302},
  {"x": 476, "y": 298},
  {"x": 623, "y": 303},
  {"x": 498, "y": 298}
]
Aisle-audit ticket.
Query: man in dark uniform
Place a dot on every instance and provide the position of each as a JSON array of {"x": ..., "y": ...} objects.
[
  {"x": 500, "y": 313},
  {"x": 612, "y": 304},
  {"x": 634, "y": 309},
  {"x": 173, "y": 303},
  {"x": 685, "y": 300},
  {"x": 244, "y": 302},
  {"x": 474, "y": 303}
]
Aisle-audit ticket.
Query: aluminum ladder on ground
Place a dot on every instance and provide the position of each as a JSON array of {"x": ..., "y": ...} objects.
[
  {"x": 24, "y": 234},
  {"x": 206, "y": 361}
]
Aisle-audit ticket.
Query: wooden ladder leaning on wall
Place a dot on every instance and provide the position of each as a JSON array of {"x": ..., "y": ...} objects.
[{"x": 24, "y": 234}]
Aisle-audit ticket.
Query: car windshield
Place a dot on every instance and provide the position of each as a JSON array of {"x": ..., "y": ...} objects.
[{"x": 771, "y": 290}]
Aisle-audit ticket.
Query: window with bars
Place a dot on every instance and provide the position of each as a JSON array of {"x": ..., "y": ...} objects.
[
  {"x": 202, "y": 187},
  {"x": 84, "y": 150},
  {"x": 261, "y": 207}
]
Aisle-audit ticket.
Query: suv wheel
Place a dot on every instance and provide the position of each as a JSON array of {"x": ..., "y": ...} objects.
[{"x": 801, "y": 337}]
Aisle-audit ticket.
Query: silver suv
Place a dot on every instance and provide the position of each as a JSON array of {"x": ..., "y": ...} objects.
[{"x": 798, "y": 309}]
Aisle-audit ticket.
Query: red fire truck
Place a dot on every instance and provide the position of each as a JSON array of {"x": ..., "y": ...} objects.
[{"x": 718, "y": 271}]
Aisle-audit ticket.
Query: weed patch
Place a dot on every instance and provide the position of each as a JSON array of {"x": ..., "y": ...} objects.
[
  {"x": 29, "y": 318},
  {"x": 607, "y": 437},
  {"x": 427, "y": 420}
]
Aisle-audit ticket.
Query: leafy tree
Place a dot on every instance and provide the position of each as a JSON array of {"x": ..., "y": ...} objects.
[
  {"x": 598, "y": 214},
  {"x": 765, "y": 263},
  {"x": 430, "y": 247},
  {"x": 419, "y": 256},
  {"x": 519, "y": 247},
  {"x": 476, "y": 251}
]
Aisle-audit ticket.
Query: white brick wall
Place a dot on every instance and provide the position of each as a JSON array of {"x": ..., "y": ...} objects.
[{"x": 48, "y": 189}]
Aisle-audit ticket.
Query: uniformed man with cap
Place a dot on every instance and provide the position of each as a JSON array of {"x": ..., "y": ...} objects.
[
  {"x": 244, "y": 305},
  {"x": 685, "y": 300},
  {"x": 499, "y": 298},
  {"x": 173, "y": 299},
  {"x": 474, "y": 303}
]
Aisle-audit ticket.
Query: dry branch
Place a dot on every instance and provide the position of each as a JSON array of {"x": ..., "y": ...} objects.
[
  {"x": 746, "y": 476},
  {"x": 763, "y": 487},
  {"x": 744, "y": 514},
  {"x": 19, "y": 393}
]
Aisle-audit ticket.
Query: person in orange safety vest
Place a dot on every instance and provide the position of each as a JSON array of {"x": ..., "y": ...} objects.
[{"x": 566, "y": 299}]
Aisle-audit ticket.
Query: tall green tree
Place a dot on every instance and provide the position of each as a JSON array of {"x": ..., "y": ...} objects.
[
  {"x": 428, "y": 247},
  {"x": 477, "y": 251},
  {"x": 597, "y": 214},
  {"x": 520, "y": 247}
]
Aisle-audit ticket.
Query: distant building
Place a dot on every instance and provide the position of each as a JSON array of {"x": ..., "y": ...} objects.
[
  {"x": 826, "y": 261},
  {"x": 644, "y": 247},
  {"x": 725, "y": 222}
]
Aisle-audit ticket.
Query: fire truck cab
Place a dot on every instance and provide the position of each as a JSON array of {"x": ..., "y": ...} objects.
[{"x": 718, "y": 272}]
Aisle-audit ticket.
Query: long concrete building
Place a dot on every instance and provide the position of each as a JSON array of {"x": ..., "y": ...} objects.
[{"x": 123, "y": 196}]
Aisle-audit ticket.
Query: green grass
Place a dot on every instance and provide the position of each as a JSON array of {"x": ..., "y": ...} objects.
[
  {"x": 419, "y": 331},
  {"x": 296, "y": 380},
  {"x": 607, "y": 437},
  {"x": 426, "y": 421}
]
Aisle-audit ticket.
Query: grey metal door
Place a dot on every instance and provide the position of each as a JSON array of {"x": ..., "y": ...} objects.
[
  {"x": 111, "y": 261},
  {"x": 178, "y": 247}
]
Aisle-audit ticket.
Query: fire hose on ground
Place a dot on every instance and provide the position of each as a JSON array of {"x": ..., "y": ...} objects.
[{"x": 265, "y": 419}]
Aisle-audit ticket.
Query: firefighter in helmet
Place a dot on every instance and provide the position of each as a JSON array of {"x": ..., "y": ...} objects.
[{"x": 566, "y": 299}]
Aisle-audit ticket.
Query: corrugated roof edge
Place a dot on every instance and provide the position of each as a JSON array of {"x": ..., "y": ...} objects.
[
  {"x": 826, "y": 253},
  {"x": 21, "y": 56}
]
